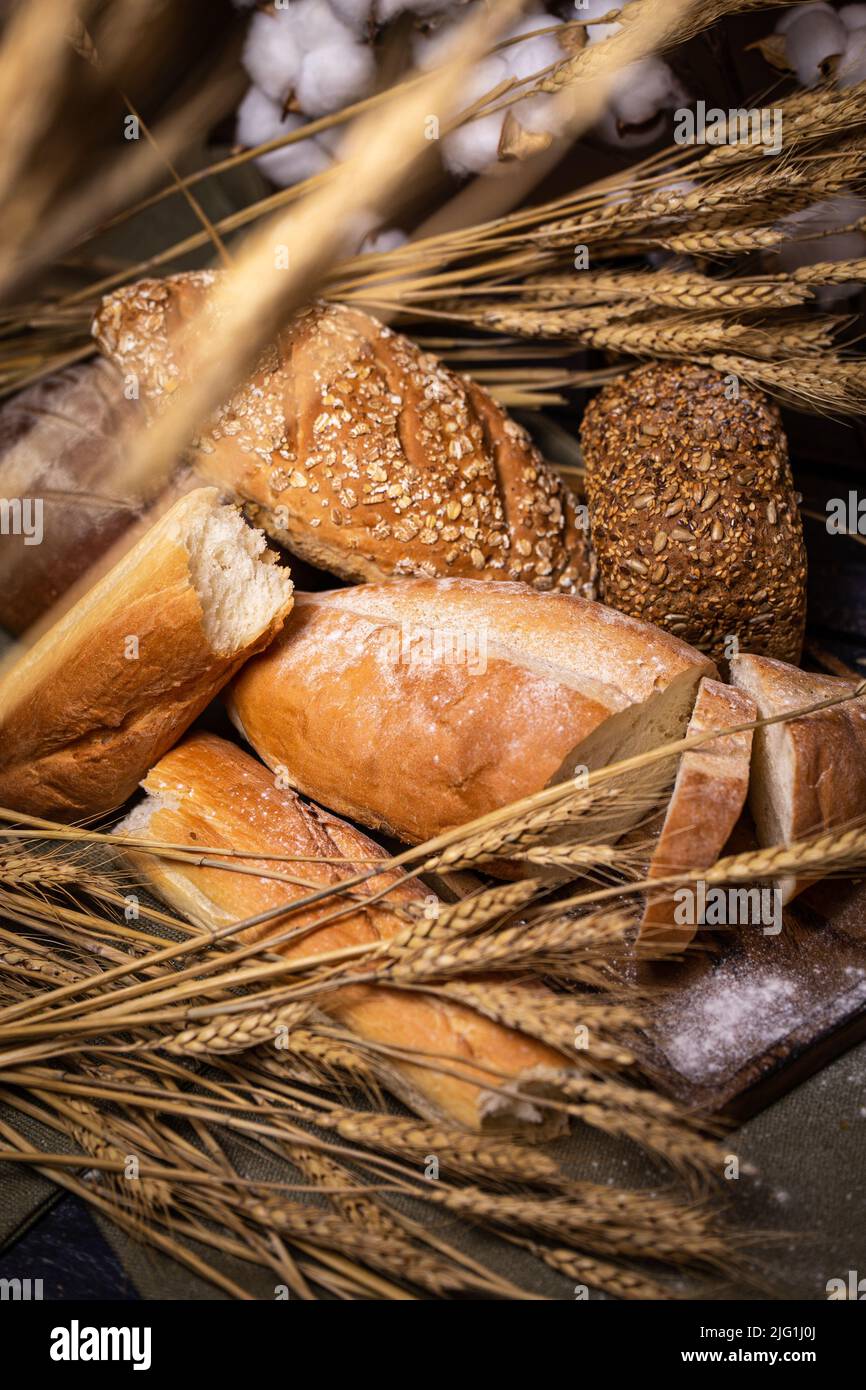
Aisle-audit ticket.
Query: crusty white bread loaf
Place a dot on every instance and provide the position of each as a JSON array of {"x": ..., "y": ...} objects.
[
  {"x": 808, "y": 774},
  {"x": 115, "y": 682},
  {"x": 413, "y": 707},
  {"x": 208, "y": 793},
  {"x": 694, "y": 519},
  {"x": 359, "y": 452},
  {"x": 708, "y": 796}
]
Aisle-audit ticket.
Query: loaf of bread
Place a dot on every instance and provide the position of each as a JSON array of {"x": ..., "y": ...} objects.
[
  {"x": 808, "y": 774},
  {"x": 60, "y": 448},
  {"x": 359, "y": 452},
  {"x": 115, "y": 682},
  {"x": 708, "y": 796},
  {"x": 693, "y": 517},
  {"x": 418, "y": 706},
  {"x": 207, "y": 792}
]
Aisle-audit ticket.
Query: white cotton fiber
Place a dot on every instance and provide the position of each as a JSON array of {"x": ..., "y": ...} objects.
[
  {"x": 853, "y": 16},
  {"x": 353, "y": 13},
  {"x": 308, "y": 52},
  {"x": 272, "y": 54},
  {"x": 640, "y": 94},
  {"x": 843, "y": 246},
  {"x": 810, "y": 40},
  {"x": 388, "y": 239},
  {"x": 791, "y": 16},
  {"x": 262, "y": 120},
  {"x": 595, "y": 9},
  {"x": 259, "y": 119},
  {"x": 334, "y": 76},
  {"x": 852, "y": 65}
]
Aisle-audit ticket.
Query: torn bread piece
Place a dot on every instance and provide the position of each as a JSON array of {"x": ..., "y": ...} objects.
[
  {"x": 417, "y": 706},
  {"x": 208, "y": 793},
  {"x": 708, "y": 796},
  {"x": 808, "y": 774},
  {"x": 115, "y": 682}
]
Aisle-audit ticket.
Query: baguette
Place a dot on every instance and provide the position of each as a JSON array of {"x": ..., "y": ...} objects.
[
  {"x": 694, "y": 519},
  {"x": 419, "y": 706},
  {"x": 808, "y": 774},
  {"x": 105, "y": 691},
  {"x": 207, "y": 792},
  {"x": 60, "y": 447},
  {"x": 708, "y": 796},
  {"x": 357, "y": 451}
]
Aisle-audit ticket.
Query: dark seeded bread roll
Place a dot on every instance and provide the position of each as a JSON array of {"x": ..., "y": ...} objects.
[
  {"x": 693, "y": 516},
  {"x": 357, "y": 451}
]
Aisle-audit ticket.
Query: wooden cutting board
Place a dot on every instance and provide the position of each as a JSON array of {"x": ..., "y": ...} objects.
[{"x": 740, "y": 1022}]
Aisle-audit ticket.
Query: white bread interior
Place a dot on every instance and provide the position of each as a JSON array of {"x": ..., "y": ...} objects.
[
  {"x": 808, "y": 773},
  {"x": 234, "y": 577}
]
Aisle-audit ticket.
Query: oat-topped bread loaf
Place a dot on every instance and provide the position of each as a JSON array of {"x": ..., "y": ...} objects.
[
  {"x": 419, "y": 706},
  {"x": 356, "y": 450},
  {"x": 808, "y": 774},
  {"x": 693, "y": 516}
]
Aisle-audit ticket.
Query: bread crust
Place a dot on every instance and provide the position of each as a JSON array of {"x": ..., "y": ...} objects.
[
  {"x": 694, "y": 519},
  {"x": 415, "y": 744},
  {"x": 359, "y": 452},
  {"x": 60, "y": 443},
  {"x": 811, "y": 769},
  {"x": 708, "y": 797},
  {"x": 211, "y": 793},
  {"x": 80, "y": 719}
]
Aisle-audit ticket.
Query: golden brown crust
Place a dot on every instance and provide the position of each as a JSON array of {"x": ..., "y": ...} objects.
[
  {"x": 810, "y": 773},
  {"x": 708, "y": 797},
  {"x": 212, "y": 794},
  {"x": 418, "y": 706},
  {"x": 694, "y": 519},
  {"x": 359, "y": 452},
  {"x": 84, "y": 713}
]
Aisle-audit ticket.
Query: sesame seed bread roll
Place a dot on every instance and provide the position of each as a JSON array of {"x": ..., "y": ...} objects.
[
  {"x": 357, "y": 451},
  {"x": 115, "y": 682},
  {"x": 708, "y": 797},
  {"x": 808, "y": 774},
  {"x": 207, "y": 792},
  {"x": 419, "y": 706},
  {"x": 693, "y": 515}
]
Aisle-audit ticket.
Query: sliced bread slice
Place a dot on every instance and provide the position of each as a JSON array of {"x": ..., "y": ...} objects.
[
  {"x": 809, "y": 773},
  {"x": 708, "y": 797}
]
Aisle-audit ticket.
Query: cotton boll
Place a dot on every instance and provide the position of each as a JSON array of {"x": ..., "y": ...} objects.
[
  {"x": 595, "y": 9},
  {"x": 798, "y": 12},
  {"x": 390, "y": 9},
  {"x": 527, "y": 58},
  {"x": 852, "y": 66},
  {"x": 388, "y": 239},
  {"x": 853, "y": 16},
  {"x": 640, "y": 94},
  {"x": 259, "y": 119},
  {"x": 295, "y": 162},
  {"x": 334, "y": 76},
  {"x": 272, "y": 53},
  {"x": 843, "y": 246},
  {"x": 355, "y": 14},
  {"x": 813, "y": 38},
  {"x": 474, "y": 146}
]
